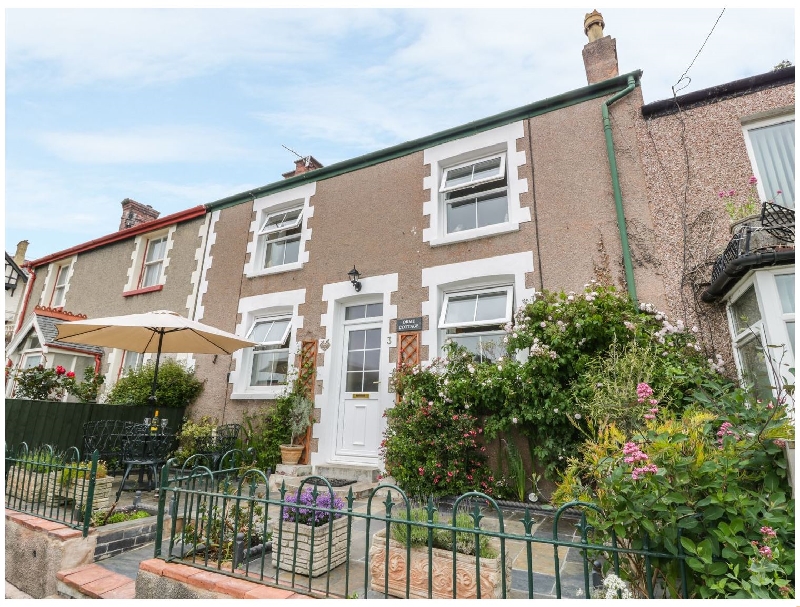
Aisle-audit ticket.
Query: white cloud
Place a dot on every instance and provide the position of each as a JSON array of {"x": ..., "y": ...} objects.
[{"x": 145, "y": 145}]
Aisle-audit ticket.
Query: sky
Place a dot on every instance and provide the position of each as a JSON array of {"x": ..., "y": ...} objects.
[{"x": 180, "y": 107}]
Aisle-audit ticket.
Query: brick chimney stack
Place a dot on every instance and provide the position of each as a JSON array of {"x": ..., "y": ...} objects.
[
  {"x": 600, "y": 55},
  {"x": 303, "y": 165},
  {"x": 134, "y": 213},
  {"x": 19, "y": 256}
]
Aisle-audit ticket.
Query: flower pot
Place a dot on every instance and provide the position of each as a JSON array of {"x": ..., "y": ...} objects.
[
  {"x": 441, "y": 565},
  {"x": 290, "y": 454},
  {"x": 312, "y": 558},
  {"x": 30, "y": 486},
  {"x": 754, "y": 220}
]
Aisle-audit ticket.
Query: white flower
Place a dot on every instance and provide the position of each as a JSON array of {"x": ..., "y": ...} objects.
[
  {"x": 543, "y": 324},
  {"x": 499, "y": 367},
  {"x": 505, "y": 340},
  {"x": 470, "y": 368},
  {"x": 577, "y": 416},
  {"x": 514, "y": 335},
  {"x": 555, "y": 410},
  {"x": 514, "y": 420},
  {"x": 571, "y": 298}
]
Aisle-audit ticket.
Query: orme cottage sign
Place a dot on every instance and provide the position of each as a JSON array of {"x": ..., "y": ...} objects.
[{"x": 409, "y": 324}]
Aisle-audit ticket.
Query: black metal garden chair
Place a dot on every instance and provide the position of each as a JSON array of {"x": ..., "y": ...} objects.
[{"x": 147, "y": 451}]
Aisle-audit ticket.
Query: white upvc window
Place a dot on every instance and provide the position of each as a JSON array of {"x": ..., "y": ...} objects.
[
  {"x": 269, "y": 361},
  {"x": 474, "y": 319},
  {"x": 761, "y": 317},
  {"x": 153, "y": 262},
  {"x": 60, "y": 286},
  {"x": 475, "y": 194},
  {"x": 770, "y": 146},
  {"x": 279, "y": 237},
  {"x": 131, "y": 361}
]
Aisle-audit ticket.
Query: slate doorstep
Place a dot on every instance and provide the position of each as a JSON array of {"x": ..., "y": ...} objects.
[{"x": 95, "y": 582}]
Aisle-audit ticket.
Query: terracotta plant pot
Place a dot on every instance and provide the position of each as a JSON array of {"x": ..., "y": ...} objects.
[{"x": 290, "y": 454}]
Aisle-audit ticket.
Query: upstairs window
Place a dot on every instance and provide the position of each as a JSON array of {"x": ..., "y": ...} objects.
[
  {"x": 770, "y": 145},
  {"x": 270, "y": 359},
  {"x": 474, "y": 319},
  {"x": 280, "y": 237},
  {"x": 475, "y": 194},
  {"x": 131, "y": 361},
  {"x": 153, "y": 262},
  {"x": 60, "y": 287}
]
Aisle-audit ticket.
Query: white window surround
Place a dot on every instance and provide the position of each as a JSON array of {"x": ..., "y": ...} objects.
[
  {"x": 268, "y": 205},
  {"x": 772, "y": 324},
  {"x": 501, "y": 141},
  {"x": 338, "y": 296},
  {"x": 47, "y": 298},
  {"x": 758, "y": 121},
  {"x": 153, "y": 265},
  {"x": 503, "y": 271},
  {"x": 136, "y": 269},
  {"x": 284, "y": 304}
]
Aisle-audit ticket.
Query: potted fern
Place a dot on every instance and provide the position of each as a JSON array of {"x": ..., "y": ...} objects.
[{"x": 298, "y": 414}]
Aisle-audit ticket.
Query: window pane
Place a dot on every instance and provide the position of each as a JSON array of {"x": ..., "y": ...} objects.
[
  {"x": 277, "y": 330},
  {"x": 32, "y": 361},
  {"x": 492, "y": 211},
  {"x": 355, "y": 360},
  {"x": 61, "y": 279},
  {"x": 371, "y": 379},
  {"x": 63, "y": 360},
  {"x": 355, "y": 382},
  {"x": 773, "y": 148},
  {"x": 491, "y": 347},
  {"x": 274, "y": 254},
  {"x": 33, "y": 341},
  {"x": 151, "y": 274},
  {"x": 292, "y": 250},
  {"x": 372, "y": 360},
  {"x": 458, "y": 176},
  {"x": 155, "y": 249},
  {"x": 269, "y": 368},
  {"x": 373, "y": 338},
  {"x": 355, "y": 312},
  {"x": 460, "y": 309},
  {"x": 491, "y": 306},
  {"x": 487, "y": 169},
  {"x": 745, "y": 310},
  {"x": 374, "y": 310},
  {"x": 58, "y": 296},
  {"x": 785, "y": 284},
  {"x": 754, "y": 368},
  {"x": 460, "y": 216},
  {"x": 790, "y": 329},
  {"x": 356, "y": 340}
]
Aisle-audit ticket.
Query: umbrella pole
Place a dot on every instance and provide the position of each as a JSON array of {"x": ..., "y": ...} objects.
[{"x": 152, "y": 399}]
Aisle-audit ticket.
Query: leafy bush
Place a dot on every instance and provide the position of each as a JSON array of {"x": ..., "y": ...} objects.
[
  {"x": 39, "y": 383},
  {"x": 177, "y": 386},
  {"x": 298, "y": 412},
  {"x": 194, "y": 437},
  {"x": 440, "y": 538},
  {"x": 99, "y": 517},
  {"x": 87, "y": 390},
  {"x": 716, "y": 473},
  {"x": 42, "y": 460},
  {"x": 81, "y": 470},
  {"x": 266, "y": 430}
]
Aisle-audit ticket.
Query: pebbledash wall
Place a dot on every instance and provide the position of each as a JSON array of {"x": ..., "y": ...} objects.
[
  {"x": 385, "y": 219},
  {"x": 696, "y": 144}
]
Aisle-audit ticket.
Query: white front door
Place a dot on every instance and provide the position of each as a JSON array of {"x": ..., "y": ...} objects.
[{"x": 360, "y": 409}]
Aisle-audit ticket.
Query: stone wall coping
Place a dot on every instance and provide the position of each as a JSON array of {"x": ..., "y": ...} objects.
[
  {"x": 53, "y": 529},
  {"x": 216, "y": 582}
]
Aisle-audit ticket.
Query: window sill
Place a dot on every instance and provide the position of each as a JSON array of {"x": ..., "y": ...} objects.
[
  {"x": 493, "y": 230},
  {"x": 152, "y": 289},
  {"x": 270, "y": 393},
  {"x": 289, "y": 267}
]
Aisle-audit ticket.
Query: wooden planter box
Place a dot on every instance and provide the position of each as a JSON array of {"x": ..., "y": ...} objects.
[
  {"x": 30, "y": 486},
  {"x": 338, "y": 551},
  {"x": 442, "y": 566},
  {"x": 78, "y": 489}
]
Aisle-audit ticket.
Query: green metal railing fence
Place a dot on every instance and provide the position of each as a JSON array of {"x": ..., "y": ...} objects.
[
  {"x": 55, "y": 486},
  {"x": 230, "y": 523}
]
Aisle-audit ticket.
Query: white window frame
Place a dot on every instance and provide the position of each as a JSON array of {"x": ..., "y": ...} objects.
[
  {"x": 267, "y": 207},
  {"x": 136, "y": 271},
  {"x": 256, "y": 308},
  {"x": 274, "y": 345},
  {"x": 500, "y": 141},
  {"x": 60, "y": 287},
  {"x": 771, "y": 327},
  {"x": 146, "y": 265},
  {"x": 473, "y": 182},
  {"x": 57, "y": 269},
  {"x": 265, "y": 236},
  {"x": 756, "y": 122},
  {"x": 508, "y": 290},
  {"x": 123, "y": 370}
]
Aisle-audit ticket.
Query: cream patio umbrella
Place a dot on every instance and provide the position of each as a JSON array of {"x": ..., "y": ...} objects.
[{"x": 153, "y": 332}]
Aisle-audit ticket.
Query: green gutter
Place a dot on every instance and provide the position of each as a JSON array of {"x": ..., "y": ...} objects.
[
  {"x": 612, "y": 161},
  {"x": 537, "y": 108}
]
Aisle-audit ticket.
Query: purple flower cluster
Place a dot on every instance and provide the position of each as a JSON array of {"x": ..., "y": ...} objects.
[{"x": 316, "y": 512}]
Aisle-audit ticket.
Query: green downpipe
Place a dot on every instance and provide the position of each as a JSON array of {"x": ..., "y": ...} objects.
[{"x": 612, "y": 161}]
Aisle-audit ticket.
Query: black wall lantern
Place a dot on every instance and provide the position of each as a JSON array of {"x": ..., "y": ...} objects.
[{"x": 354, "y": 276}]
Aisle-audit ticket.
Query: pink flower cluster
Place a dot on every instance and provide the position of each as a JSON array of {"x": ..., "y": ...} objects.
[
  {"x": 640, "y": 472},
  {"x": 643, "y": 391},
  {"x": 768, "y": 532},
  {"x": 725, "y": 430},
  {"x": 632, "y": 453}
]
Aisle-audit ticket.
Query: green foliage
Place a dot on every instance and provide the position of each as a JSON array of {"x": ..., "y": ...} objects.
[
  {"x": 440, "y": 538},
  {"x": 516, "y": 470},
  {"x": 42, "y": 460},
  {"x": 81, "y": 470},
  {"x": 87, "y": 390},
  {"x": 298, "y": 414},
  {"x": 194, "y": 437},
  {"x": 716, "y": 472},
  {"x": 266, "y": 430},
  {"x": 177, "y": 385},
  {"x": 38, "y": 383},
  {"x": 99, "y": 517}
]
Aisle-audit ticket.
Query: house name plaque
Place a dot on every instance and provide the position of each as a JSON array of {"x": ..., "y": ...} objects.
[{"x": 409, "y": 324}]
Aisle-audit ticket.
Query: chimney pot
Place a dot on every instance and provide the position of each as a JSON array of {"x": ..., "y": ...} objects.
[
  {"x": 593, "y": 25},
  {"x": 600, "y": 54}
]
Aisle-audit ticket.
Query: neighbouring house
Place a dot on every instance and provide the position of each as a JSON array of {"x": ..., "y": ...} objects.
[
  {"x": 729, "y": 146},
  {"x": 16, "y": 278},
  {"x": 150, "y": 263}
]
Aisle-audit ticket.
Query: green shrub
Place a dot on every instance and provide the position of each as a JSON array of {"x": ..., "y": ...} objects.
[
  {"x": 39, "y": 383},
  {"x": 81, "y": 470},
  {"x": 87, "y": 390},
  {"x": 440, "y": 538},
  {"x": 266, "y": 430},
  {"x": 194, "y": 437},
  {"x": 177, "y": 386},
  {"x": 99, "y": 517},
  {"x": 716, "y": 473}
]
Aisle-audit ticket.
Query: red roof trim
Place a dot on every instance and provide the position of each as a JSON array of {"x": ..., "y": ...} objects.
[
  {"x": 59, "y": 313},
  {"x": 143, "y": 290},
  {"x": 141, "y": 228}
]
